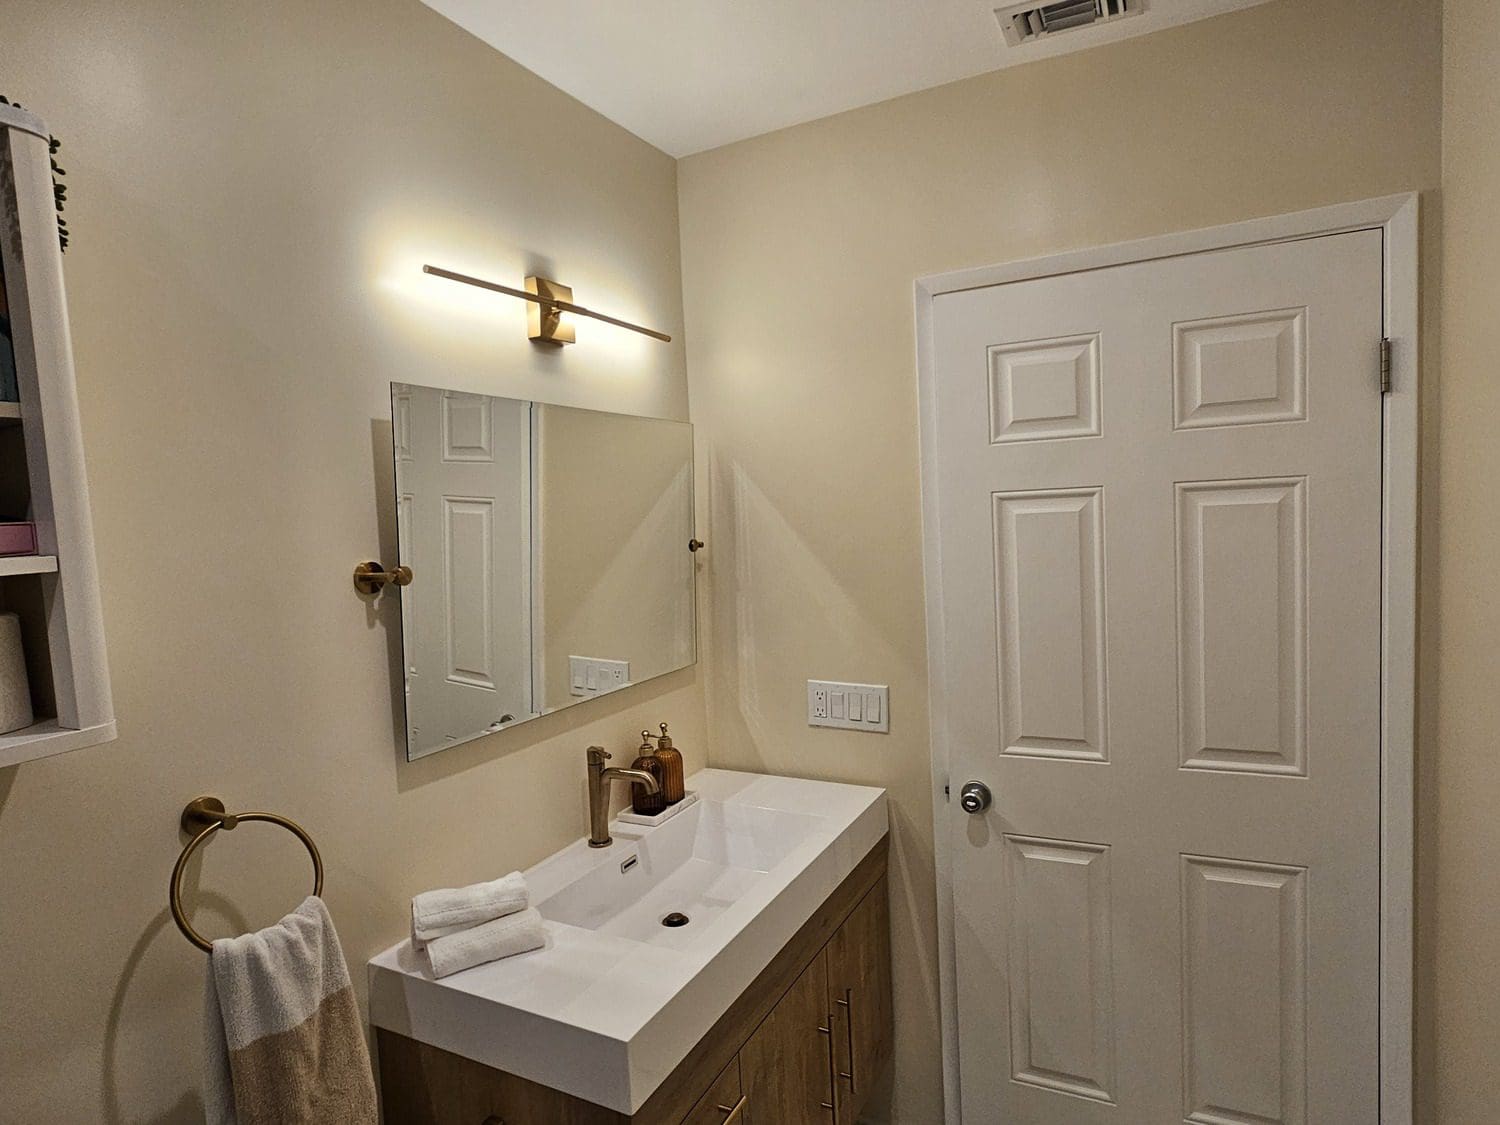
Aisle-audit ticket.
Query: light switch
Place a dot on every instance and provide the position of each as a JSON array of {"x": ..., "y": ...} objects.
[
  {"x": 849, "y": 706},
  {"x": 593, "y": 675}
]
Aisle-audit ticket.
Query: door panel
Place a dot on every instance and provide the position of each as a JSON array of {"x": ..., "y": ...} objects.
[
  {"x": 1244, "y": 965},
  {"x": 1242, "y": 611},
  {"x": 722, "y": 1102},
  {"x": 1050, "y": 613},
  {"x": 466, "y": 477},
  {"x": 786, "y": 1066},
  {"x": 859, "y": 996},
  {"x": 1159, "y": 499},
  {"x": 1062, "y": 1021}
]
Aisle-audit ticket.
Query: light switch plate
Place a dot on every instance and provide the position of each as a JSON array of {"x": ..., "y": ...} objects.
[
  {"x": 590, "y": 675},
  {"x": 849, "y": 706}
]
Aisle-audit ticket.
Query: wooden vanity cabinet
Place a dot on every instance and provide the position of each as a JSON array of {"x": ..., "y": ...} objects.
[
  {"x": 859, "y": 990},
  {"x": 725, "y": 1098},
  {"x": 803, "y": 1045},
  {"x": 787, "y": 1065}
]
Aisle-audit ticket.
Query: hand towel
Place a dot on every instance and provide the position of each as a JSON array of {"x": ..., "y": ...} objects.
[
  {"x": 436, "y": 914},
  {"x": 283, "y": 1038},
  {"x": 489, "y": 941}
]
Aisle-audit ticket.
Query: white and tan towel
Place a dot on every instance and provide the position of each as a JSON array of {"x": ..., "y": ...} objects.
[
  {"x": 436, "y": 914},
  {"x": 284, "y": 1042},
  {"x": 488, "y": 941}
]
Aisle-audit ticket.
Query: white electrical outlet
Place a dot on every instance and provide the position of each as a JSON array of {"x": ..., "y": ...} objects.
[
  {"x": 590, "y": 675},
  {"x": 849, "y": 706}
]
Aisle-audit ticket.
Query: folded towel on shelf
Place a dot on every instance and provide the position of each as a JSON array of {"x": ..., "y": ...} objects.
[
  {"x": 283, "y": 1039},
  {"x": 489, "y": 941},
  {"x": 436, "y": 914}
]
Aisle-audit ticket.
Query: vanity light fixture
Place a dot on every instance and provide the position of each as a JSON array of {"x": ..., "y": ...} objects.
[{"x": 549, "y": 301}]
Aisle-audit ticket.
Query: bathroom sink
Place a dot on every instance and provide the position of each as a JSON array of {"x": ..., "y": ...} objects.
[
  {"x": 648, "y": 941},
  {"x": 672, "y": 882}
]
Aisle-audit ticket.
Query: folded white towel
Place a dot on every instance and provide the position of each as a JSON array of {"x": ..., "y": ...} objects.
[
  {"x": 489, "y": 941},
  {"x": 436, "y": 914}
]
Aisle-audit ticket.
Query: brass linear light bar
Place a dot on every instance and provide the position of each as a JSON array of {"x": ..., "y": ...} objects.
[{"x": 549, "y": 301}]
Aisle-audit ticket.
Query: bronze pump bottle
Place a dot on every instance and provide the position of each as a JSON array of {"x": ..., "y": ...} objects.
[
  {"x": 671, "y": 762},
  {"x": 641, "y": 802}
]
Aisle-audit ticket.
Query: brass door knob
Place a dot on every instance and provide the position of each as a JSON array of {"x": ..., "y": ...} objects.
[{"x": 370, "y": 577}]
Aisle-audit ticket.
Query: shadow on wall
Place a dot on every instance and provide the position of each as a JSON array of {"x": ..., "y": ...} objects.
[
  {"x": 758, "y": 672},
  {"x": 188, "y": 1109}
]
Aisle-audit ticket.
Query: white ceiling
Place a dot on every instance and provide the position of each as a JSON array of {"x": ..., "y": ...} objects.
[{"x": 689, "y": 75}]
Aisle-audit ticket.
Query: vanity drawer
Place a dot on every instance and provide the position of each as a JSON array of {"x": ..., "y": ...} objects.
[{"x": 722, "y": 1104}]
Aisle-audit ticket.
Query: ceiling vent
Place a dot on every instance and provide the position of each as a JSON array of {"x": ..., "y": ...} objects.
[{"x": 1031, "y": 23}]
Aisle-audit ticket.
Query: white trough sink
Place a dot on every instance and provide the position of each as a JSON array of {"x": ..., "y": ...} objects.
[{"x": 616, "y": 999}]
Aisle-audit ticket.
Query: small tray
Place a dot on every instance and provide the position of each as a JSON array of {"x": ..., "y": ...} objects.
[{"x": 626, "y": 816}]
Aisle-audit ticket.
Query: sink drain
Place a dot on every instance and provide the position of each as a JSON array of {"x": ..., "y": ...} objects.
[{"x": 674, "y": 919}]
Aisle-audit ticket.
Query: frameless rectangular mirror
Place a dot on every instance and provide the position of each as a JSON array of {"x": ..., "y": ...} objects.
[{"x": 549, "y": 549}]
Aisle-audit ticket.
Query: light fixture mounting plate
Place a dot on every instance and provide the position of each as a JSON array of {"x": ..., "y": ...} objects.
[{"x": 544, "y": 323}]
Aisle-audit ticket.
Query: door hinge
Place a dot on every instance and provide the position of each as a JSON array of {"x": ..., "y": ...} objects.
[{"x": 1385, "y": 366}]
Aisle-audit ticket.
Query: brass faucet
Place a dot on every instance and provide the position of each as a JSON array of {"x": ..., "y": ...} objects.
[{"x": 600, "y": 776}]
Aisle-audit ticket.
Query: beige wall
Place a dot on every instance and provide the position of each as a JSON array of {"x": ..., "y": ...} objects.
[
  {"x": 1462, "y": 614},
  {"x": 255, "y": 184},
  {"x": 799, "y": 252}
]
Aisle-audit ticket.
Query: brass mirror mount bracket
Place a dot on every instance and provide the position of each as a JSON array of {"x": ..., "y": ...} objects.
[
  {"x": 371, "y": 577},
  {"x": 544, "y": 323}
]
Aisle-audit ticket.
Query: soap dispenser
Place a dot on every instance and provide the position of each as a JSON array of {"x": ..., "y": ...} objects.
[
  {"x": 671, "y": 761},
  {"x": 641, "y": 802}
]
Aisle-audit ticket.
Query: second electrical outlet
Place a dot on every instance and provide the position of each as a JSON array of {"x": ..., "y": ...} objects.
[{"x": 849, "y": 706}]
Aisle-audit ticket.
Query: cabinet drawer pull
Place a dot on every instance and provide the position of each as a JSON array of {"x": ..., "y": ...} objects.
[
  {"x": 847, "y": 1003},
  {"x": 735, "y": 1113},
  {"x": 833, "y": 1085}
]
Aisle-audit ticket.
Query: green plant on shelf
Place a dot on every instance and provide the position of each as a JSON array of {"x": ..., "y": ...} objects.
[{"x": 59, "y": 189}]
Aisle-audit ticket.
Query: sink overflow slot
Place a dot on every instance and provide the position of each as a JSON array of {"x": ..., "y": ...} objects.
[
  {"x": 674, "y": 920},
  {"x": 629, "y": 863}
]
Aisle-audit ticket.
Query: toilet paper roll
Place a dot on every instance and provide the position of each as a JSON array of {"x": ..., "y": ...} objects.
[{"x": 15, "y": 690}]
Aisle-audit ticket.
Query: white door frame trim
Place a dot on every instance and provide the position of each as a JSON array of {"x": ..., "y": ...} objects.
[{"x": 1397, "y": 217}]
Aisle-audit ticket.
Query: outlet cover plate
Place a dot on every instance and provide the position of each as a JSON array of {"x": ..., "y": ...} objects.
[
  {"x": 845, "y": 706},
  {"x": 592, "y": 675}
]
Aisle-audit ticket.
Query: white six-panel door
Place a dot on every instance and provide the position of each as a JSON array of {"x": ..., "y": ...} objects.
[
  {"x": 465, "y": 486},
  {"x": 1159, "y": 494}
]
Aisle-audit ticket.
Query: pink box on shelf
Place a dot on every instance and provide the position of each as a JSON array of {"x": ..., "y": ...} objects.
[{"x": 17, "y": 538}]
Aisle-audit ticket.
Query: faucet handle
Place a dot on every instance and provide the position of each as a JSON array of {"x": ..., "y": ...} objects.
[{"x": 598, "y": 755}]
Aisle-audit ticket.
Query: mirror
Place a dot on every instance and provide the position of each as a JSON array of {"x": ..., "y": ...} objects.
[{"x": 549, "y": 549}]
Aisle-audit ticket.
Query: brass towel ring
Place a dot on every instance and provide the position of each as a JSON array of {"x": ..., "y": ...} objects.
[{"x": 204, "y": 816}]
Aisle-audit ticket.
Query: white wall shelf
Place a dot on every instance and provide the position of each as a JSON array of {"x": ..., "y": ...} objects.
[
  {"x": 55, "y": 592},
  {"x": 27, "y": 564}
]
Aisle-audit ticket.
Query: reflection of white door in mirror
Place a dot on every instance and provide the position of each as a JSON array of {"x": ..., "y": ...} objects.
[
  {"x": 464, "y": 499},
  {"x": 536, "y": 535}
]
